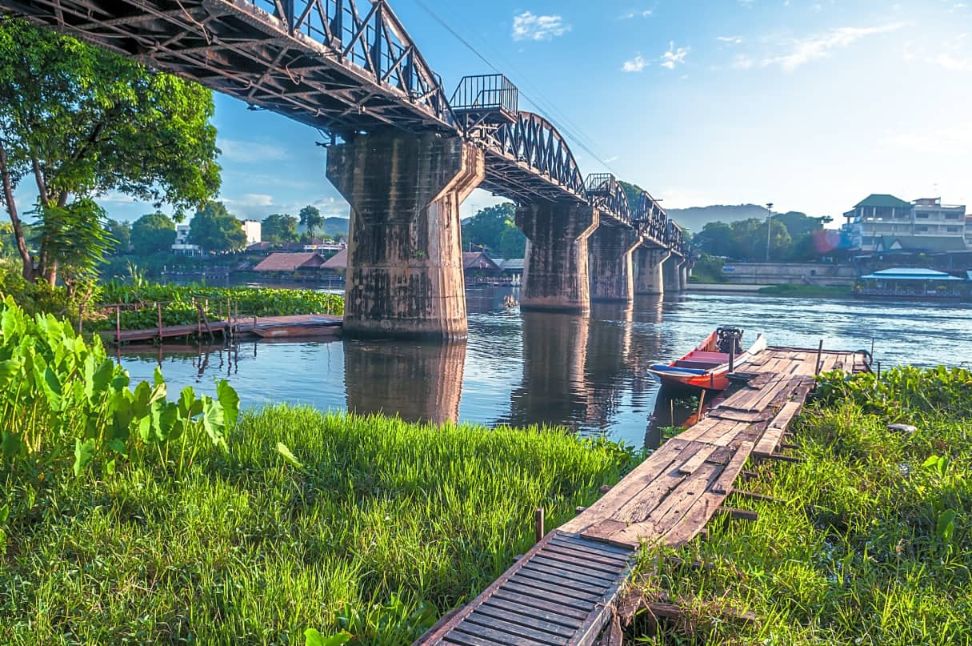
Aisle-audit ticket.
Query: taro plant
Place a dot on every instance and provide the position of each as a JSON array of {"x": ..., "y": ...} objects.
[{"x": 63, "y": 400}]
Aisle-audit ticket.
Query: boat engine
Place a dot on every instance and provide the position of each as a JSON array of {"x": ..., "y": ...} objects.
[{"x": 729, "y": 340}]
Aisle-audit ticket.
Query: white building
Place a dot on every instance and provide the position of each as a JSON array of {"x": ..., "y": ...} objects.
[
  {"x": 887, "y": 223},
  {"x": 253, "y": 230},
  {"x": 181, "y": 245}
]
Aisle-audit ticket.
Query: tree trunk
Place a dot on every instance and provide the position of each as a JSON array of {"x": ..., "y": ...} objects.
[{"x": 8, "y": 196}]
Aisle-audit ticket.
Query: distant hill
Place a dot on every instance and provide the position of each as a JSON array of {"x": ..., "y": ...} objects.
[
  {"x": 336, "y": 226},
  {"x": 696, "y": 217}
]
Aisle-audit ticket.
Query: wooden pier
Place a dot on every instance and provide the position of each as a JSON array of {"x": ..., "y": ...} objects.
[
  {"x": 237, "y": 326},
  {"x": 565, "y": 589}
]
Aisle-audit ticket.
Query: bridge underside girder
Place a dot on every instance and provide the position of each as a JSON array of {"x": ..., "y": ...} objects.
[{"x": 242, "y": 51}]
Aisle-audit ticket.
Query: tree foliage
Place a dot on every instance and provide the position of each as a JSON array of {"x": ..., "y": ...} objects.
[
  {"x": 793, "y": 237},
  {"x": 81, "y": 121},
  {"x": 494, "y": 229},
  {"x": 215, "y": 229},
  {"x": 121, "y": 237},
  {"x": 280, "y": 228},
  {"x": 153, "y": 233},
  {"x": 311, "y": 219}
]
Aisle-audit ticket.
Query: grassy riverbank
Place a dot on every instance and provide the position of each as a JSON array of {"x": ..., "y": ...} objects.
[
  {"x": 129, "y": 517},
  {"x": 870, "y": 541}
]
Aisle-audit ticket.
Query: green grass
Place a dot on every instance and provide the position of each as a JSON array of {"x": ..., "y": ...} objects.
[
  {"x": 806, "y": 291},
  {"x": 381, "y": 528},
  {"x": 871, "y": 541}
]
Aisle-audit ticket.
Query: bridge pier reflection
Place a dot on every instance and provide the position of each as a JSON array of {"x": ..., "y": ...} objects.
[
  {"x": 554, "y": 357},
  {"x": 420, "y": 382},
  {"x": 404, "y": 276},
  {"x": 555, "y": 275},
  {"x": 649, "y": 263},
  {"x": 612, "y": 270}
]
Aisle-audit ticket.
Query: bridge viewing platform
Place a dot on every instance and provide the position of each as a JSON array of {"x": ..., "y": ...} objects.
[
  {"x": 567, "y": 588},
  {"x": 401, "y": 152}
]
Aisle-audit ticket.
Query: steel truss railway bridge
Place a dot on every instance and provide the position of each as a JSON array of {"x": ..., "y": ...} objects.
[{"x": 403, "y": 153}]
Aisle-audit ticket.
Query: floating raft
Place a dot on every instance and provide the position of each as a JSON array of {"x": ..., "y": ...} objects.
[
  {"x": 300, "y": 325},
  {"x": 563, "y": 591}
]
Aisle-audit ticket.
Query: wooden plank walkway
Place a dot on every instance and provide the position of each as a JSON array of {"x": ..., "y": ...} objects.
[
  {"x": 241, "y": 325},
  {"x": 563, "y": 590}
]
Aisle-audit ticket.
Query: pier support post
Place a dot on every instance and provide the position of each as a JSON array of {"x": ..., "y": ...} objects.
[
  {"x": 683, "y": 274},
  {"x": 649, "y": 262},
  {"x": 555, "y": 274},
  {"x": 672, "y": 275},
  {"x": 612, "y": 270},
  {"x": 404, "y": 276}
]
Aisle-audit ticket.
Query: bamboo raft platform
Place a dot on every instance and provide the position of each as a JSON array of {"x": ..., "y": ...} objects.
[
  {"x": 566, "y": 588},
  {"x": 237, "y": 326}
]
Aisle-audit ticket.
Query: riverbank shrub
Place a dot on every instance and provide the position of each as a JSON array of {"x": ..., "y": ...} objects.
[
  {"x": 870, "y": 541},
  {"x": 122, "y": 522},
  {"x": 179, "y": 303}
]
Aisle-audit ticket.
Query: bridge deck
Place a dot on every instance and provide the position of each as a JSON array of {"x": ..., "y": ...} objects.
[{"x": 563, "y": 590}]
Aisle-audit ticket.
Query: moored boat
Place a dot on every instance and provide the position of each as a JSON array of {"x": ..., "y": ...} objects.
[{"x": 708, "y": 365}]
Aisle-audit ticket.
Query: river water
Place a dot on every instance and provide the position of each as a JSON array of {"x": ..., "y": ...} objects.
[{"x": 587, "y": 373}]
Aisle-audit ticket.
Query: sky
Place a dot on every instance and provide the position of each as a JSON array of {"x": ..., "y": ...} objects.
[{"x": 809, "y": 104}]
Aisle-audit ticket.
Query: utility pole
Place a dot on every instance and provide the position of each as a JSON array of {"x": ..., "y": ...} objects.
[{"x": 769, "y": 229}]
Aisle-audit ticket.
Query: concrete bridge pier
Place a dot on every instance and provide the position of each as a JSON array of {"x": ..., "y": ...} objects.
[
  {"x": 555, "y": 274},
  {"x": 673, "y": 274},
  {"x": 650, "y": 262},
  {"x": 611, "y": 267},
  {"x": 683, "y": 274},
  {"x": 404, "y": 276}
]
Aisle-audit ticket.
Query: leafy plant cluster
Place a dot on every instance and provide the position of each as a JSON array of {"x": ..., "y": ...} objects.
[
  {"x": 868, "y": 540},
  {"x": 179, "y": 303},
  {"x": 64, "y": 401}
]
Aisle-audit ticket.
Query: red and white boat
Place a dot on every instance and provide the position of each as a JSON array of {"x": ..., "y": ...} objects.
[{"x": 708, "y": 366}]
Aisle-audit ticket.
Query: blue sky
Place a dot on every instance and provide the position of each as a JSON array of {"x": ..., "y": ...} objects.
[{"x": 808, "y": 104}]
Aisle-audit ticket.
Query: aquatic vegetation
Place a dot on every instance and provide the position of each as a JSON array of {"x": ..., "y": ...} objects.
[
  {"x": 869, "y": 540},
  {"x": 63, "y": 400},
  {"x": 179, "y": 303}
]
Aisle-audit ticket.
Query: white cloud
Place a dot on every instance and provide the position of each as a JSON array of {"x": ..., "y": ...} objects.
[
  {"x": 635, "y": 64},
  {"x": 959, "y": 137},
  {"x": 816, "y": 47},
  {"x": 643, "y": 13},
  {"x": 249, "y": 204},
  {"x": 731, "y": 40},
  {"x": 529, "y": 26},
  {"x": 674, "y": 56},
  {"x": 953, "y": 63},
  {"x": 250, "y": 151},
  {"x": 743, "y": 62}
]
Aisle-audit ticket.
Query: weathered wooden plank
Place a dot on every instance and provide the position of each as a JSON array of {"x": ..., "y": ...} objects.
[
  {"x": 559, "y": 549},
  {"x": 569, "y": 560},
  {"x": 774, "y": 432},
  {"x": 528, "y": 617},
  {"x": 723, "y": 483},
  {"x": 692, "y": 464},
  {"x": 567, "y": 598},
  {"x": 672, "y": 508},
  {"x": 557, "y": 568},
  {"x": 464, "y": 639},
  {"x": 629, "y": 486},
  {"x": 546, "y": 604},
  {"x": 480, "y": 628},
  {"x": 579, "y": 542},
  {"x": 568, "y": 582}
]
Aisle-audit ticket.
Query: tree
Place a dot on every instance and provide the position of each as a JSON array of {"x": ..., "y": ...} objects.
[
  {"x": 494, "y": 228},
  {"x": 214, "y": 228},
  {"x": 121, "y": 237},
  {"x": 717, "y": 239},
  {"x": 280, "y": 229},
  {"x": 310, "y": 218},
  {"x": 153, "y": 233},
  {"x": 81, "y": 121}
]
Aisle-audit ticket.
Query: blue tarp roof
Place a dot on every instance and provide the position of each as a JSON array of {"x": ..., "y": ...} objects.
[{"x": 909, "y": 273}]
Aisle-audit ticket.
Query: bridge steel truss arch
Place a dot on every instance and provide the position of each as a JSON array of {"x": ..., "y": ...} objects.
[
  {"x": 607, "y": 196},
  {"x": 344, "y": 66}
]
